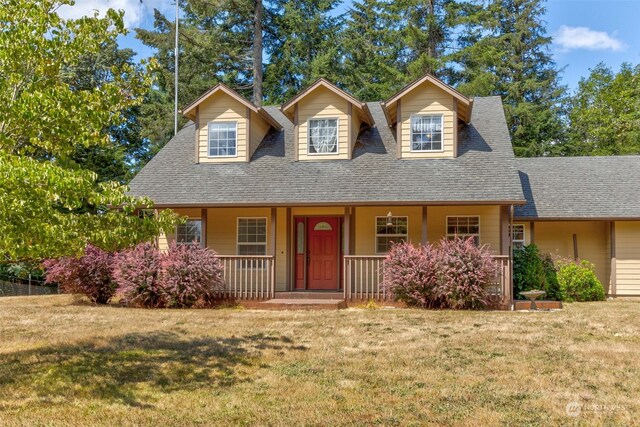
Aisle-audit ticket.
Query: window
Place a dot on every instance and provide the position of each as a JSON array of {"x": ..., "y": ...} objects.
[
  {"x": 464, "y": 227},
  {"x": 222, "y": 139},
  {"x": 517, "y": 236},
  {"x": 390, "y": 230},
  {"x": 300, "y": 238},
  {"x": 252, "y": 236},
  {"x": 189, "y": 233},
  {"x": 323, "y": 136},
  {"x": 426, "y": 133}
]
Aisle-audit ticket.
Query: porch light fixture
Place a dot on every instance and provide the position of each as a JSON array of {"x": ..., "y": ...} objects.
[{"x": 389, "y": 222}]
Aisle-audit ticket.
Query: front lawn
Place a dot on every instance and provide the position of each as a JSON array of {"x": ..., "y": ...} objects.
[{"x": 68, "y": 363}]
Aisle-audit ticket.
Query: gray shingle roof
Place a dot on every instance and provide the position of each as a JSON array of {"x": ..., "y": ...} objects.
[
  {"x": 580, "y": 187},
  {"x": 485, "y": 170}
]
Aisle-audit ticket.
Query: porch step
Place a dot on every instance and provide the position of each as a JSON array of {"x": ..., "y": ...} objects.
[
  {"x": 297, "y": 304},
  {"x": 317, "y": 295}
]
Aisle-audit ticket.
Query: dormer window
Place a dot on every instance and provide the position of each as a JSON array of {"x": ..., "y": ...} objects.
[
  {"x": 323, "y": 136},
  {"x": 223, "y": 139},
  {"x": 426, "y": 133},
  {"x": 326, "y": 122}
]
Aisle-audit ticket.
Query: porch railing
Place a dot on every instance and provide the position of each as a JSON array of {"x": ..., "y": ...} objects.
[
  {"x": 248, "y": 277},
  {"x": 363, "y": 276},
  {"x": 500, "y": 291}
]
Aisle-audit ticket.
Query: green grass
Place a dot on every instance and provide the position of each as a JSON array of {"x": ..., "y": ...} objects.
[{"x": 64, "y": 362}]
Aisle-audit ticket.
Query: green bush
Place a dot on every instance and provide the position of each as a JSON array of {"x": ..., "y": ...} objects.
[
  {"x": 551, "y": 276},
  {"x": 533, "y": 270},
  {"x": 578, "y": 281}
]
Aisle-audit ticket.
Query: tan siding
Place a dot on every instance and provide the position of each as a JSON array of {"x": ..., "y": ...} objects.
[
  {"x": 259, "y": 128},
  {"x": 428, "y": 99},
  {"x": 222, "y": 107},
  {"x": 355, "y": 129},
  {"x": 165, "y": 240},
  {"x": 222, "y": 228},
  {"x": 489, "y": 223},
  {"x": 365, "y": 225},
  {"x": 323, "y": 103},
  {"x": 281, "y": 255},
  {"x": 628, "y": 258},
  {"x": 556, "y": 238},
  {"x": 607, "y": 251},
  {"x": 365, "y": 234}
]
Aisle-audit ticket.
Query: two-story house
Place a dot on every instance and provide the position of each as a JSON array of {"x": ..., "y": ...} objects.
[{"x": 309, "y": 196}]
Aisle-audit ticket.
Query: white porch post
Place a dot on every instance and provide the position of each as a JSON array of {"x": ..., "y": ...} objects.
[{"x": 272, "y": 249}]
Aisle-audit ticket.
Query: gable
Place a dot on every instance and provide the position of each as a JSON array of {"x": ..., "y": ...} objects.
[
  {"x": 430, "y": 101},
  {"x": 221, "y": 108},
  {"x": 427, "y": 115},
  {"x": 464, "y": 104},
  {"x": 228, "y": 128},
  {"x": 324, "y": 104}
]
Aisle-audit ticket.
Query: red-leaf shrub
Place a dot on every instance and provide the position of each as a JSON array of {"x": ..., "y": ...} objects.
[
  {"x": 452, "y": 274},
  {"x": 137, "y": 273},
  {"x": 411, "y": 274},
  {"x": 190, "y": 275},
  {"x": 89, "y": 275},
  {"x": 465, "y": 272}
]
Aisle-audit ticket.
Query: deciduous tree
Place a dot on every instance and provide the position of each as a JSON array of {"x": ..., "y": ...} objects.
[
  {"x": 605, "y": 113},
  {"x": 50, "y": 205}
]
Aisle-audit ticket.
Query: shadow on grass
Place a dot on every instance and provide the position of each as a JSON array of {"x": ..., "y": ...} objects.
[{"x": 133, "y": 368}]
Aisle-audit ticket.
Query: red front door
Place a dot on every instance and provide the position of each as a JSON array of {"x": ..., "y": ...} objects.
[{"x": 323, "y": 253}]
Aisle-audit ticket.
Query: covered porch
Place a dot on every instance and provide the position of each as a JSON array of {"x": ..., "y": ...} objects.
[{"x": 334, "y": 251}]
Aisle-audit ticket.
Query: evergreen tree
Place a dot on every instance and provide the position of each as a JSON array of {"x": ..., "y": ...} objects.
[
  {"x": 216, "y": 45},
  {"x": 371, "y": 49},
  {"x": 119, "y": 160},
  {"x": 505, "y": 51},
  {"x": 605, "y": 113},
  {"x": 301, "y": 39},
  {"x": 425, "y": 27}
]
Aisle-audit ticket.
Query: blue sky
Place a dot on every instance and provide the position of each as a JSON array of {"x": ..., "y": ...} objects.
[{"x": 585, "y": 32}]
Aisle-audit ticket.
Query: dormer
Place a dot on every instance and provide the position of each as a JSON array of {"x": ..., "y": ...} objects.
[
  {"x": 326, "y": 122},
  {"x": 427, "y": 115},
  {"x": 229, "y": 128}
]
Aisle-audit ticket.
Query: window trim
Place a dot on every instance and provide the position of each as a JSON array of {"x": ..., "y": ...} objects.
[
  {"x": 266, "y": 235},
  {"x": 524, "y": 234},
  {"x": 446, "y": 227},
  {"x": 441, "y": 150},
  {"x": 209, "y": 156},
  {"x": 337, "y": 119},
  {"x": 175, "y": 232},
  {"x": 375, "y": 225}
]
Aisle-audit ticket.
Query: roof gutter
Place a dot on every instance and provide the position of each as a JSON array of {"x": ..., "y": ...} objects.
[{"x": 334, "y": 204}]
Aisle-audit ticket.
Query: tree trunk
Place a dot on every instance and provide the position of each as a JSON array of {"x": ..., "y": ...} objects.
[
  {"x": 432, "y": 33},
  {"x": 257, "y": 53}
]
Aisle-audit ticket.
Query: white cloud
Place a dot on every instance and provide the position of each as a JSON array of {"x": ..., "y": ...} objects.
[
  {"x": 571, "y": 38},
  {"x": 134, "y": 10}
]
